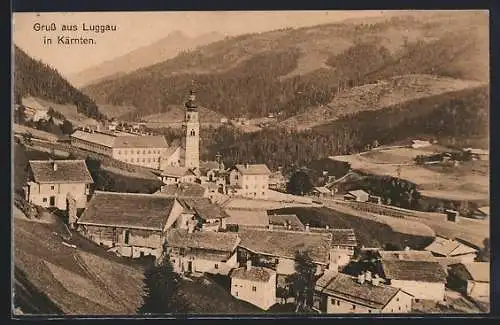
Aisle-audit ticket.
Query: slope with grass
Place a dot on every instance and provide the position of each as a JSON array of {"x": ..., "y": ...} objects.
[
  {"x": 384, "y": 93},
  {"x": 290, "y": 70}
]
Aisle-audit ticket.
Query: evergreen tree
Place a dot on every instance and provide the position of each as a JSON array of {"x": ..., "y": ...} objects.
[
  {"x": 162, "y": 290},
  {"x": 300, "y": 183},
  {"x": 303, "y": 280},
  {"x": 67, "y": 127}
]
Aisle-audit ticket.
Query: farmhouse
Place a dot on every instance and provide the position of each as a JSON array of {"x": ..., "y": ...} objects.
[
  {"x": 249, "y": 181},
  {"x": 472, "y": 279},
  {"x": 176, "y": 174},
  {"x": 183, "y": 190},
  {"x": 34, "y": 110},
  {"x": 52, "y": 183},
  {"x": 422, "y": 279},
  {"x": 254, "y": 284},
  {"x": 442, "y": 247},
  {"x": 287, "y": 221},
  {"x": 357, "y": 195},
  {"x": 321, "y": 191},
  {"x": 407, "y": 255},
  {"x": 202, "y": 252},
  {"x": 132, "y": 224},
  {"x": 341, "y": 293},
  {"x": 208, "y": 216},
  {"x": 343, "y": 244},
  {"x": 276, "y": 249}
]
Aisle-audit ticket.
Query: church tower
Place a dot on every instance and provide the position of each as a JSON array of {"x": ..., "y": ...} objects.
[{"x": 192, "y": 128}]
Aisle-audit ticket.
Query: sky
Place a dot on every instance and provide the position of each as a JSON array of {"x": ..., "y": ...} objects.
[{"x": 136, "y": 29}]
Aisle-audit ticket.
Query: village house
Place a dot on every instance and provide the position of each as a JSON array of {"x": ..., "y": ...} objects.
[
  {"x": 406, "y": 255},
  {"x": 254, "y": 284},
  {"x": 286, "y": 221},
  {"x": 34, "y": 110},
  {"x": 53, "y": 182},
  {"x": 357, "y": 195},
  {"x": 202, "y": 252},
  {"x": 177, "y": 174},
  {"x": 442, "y": 247},
  {"x": 208, "y": 216},
  {"x": 321, "y": 191},
  {"x": 422, "y": 279},
  {"x": 471, "y": 279},
  {"x": 337, "y": 293},
  {"x": 250, "y": 181},
  {"x": 343, "y": 244},
  {"x": 276, "y": 249},
  {"x": 131, "y": 224},
  {"x": 183, "y": 190}
]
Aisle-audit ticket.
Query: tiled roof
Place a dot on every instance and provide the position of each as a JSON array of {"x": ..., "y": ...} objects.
[
  {"x": 479, "y": 271},
  {"x": 286, "y": 243},
  {"x": 286, "y": 219},
  {"x": 247, "y": 217},
  {"x": 128, "y": 141},
  {"x": 424, "y": 271},
  {"x": 103, "y": 139},
  {"x": 183, "y": 190},
  {"x": 175, "y": 171},
  {"x": 446, "y": 247},
  {"x": 322, "y": 189},
  {"x": 146, "y": 141},
  {"x": 410, "y": 255},
  {"x": 128, "y": 210},
  {"x": 347, "y": 287},
  {"x": 343, "y": 237},
  {"x": 203, "y": 208},
  {"x": 67, "y": 171},
  {"x": 256, "y": 169},
  {"x": 358, "y": 193},
  {"x": 255, "y": 273},
  {"x": 210, "y": 240}
]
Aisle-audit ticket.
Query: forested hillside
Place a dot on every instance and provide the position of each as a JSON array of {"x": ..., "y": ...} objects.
[
  {"x": 34, "y": 78},
  {"x": 291, "y": 70},
  {"x": 457, "y": 115}
]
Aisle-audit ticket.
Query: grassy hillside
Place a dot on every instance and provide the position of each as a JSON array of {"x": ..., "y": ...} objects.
[
  {"x": 457, "y": 116},
  {"x": 34, "y": 78},
  {"x": 384, "y": 93},
  {"x": 291, "y": 70}
]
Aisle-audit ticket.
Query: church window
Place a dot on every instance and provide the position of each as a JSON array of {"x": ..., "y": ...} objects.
[{"x": 192, "y": 133}]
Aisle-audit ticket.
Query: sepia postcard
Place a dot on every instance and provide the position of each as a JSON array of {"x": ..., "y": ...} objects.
[{"x": 319, "y": 163}]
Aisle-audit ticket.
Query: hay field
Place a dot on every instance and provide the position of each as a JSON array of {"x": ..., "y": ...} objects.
[{"x": 468, "y": 181}]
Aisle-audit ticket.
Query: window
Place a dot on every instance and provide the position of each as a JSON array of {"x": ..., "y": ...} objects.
[
  {"x": 236, "y": 293},
  {"x": 338, "y": 302},
  {"x": 132, "y": 160},
  {"x": 333, "y": 301},
  {"x": 263, "y": 193},
  {"x": 44, "y": 199},
  {"x": 119, "y": 152},
  {"x": 52, "y": 187},
  {"x": 149, "y": 151},
  {"x": 216, "y": 266},
  {"x": 138, "y": 151},
  {"x": 127, "y": 236},
  {"x": 353, "y": 307},
  {"x": 397, "y": 299},
  {"x": 143, "y": 159},
  {"x": 399, "y": 308},
  {"x": 254, "y": 288},
  {"x": 246, "y": 186},
  {"x": 143, "y": 152},
  {"x": 369, "y": 311}
]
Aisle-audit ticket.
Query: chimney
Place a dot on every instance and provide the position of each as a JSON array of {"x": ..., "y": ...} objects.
[
  {"x": 327, "y": 227},
  {"x": 54, "y": 166},
  {"x": 249, "y": 265},
  {"x": 307, "y": 227},
  {"x": 361, "y": 278}
]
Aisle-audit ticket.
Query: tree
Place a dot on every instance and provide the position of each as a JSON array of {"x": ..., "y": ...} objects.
[
  {"x": 300, "y": 183},
  {"x": 303, "y": 280},
  {"x": 67, "y": 127},
  {"x": 161, "y": 286}
]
